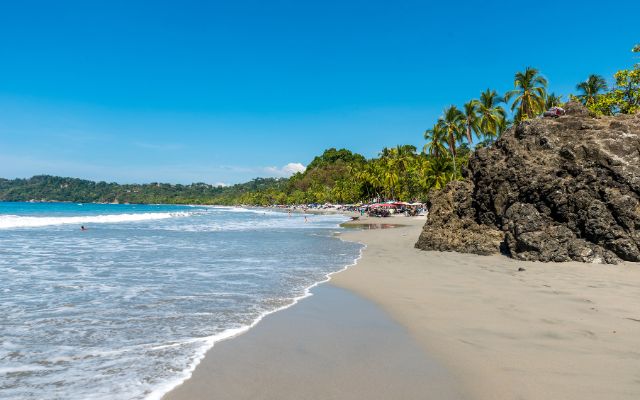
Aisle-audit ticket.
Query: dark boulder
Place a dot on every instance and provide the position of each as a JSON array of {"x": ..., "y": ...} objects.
[
  {"x": 452, "y": 225},
  {"x": 555, "y": 189}
]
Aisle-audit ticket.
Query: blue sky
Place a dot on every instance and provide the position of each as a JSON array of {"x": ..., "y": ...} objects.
[{"x": 221, "y": 92}]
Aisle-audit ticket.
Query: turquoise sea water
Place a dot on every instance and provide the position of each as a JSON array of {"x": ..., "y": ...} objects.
[{"x": 125, "y": 309}]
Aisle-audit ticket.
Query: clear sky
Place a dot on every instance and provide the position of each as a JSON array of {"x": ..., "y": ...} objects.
[{"x": 221, "y": 92}]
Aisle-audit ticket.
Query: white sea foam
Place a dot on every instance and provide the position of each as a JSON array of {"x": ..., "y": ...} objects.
[
  {"x": 62, "y": 288},
  {"x": 19, "y": 221},
  {"x": 248, "y": 210},
  {"x": 10, "y": 370}
]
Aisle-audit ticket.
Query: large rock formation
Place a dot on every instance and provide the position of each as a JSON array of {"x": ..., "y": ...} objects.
[{"x": 549, "y": 190}]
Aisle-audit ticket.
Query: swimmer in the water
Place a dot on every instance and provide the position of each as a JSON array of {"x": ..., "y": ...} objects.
[{"x": 82, "y": 228}]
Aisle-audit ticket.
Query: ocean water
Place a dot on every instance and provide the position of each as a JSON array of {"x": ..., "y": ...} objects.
[{"x": 127, "y": 308}]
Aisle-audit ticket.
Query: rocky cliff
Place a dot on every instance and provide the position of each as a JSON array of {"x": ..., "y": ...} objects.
[{"x": 548, "y": 190}]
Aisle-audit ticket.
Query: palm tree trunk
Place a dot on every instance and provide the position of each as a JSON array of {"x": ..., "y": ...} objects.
[
  {"x": 527, "y": 109},
  {"x": 455, "y": 171},
  {"x": 452, "y": 144}
]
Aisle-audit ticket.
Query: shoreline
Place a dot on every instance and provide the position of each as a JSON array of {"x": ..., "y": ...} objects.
[
  {"x": 229, "y": 334},
  {"x": 167, "y": 390},
  {"x": 318, "y": 350}
]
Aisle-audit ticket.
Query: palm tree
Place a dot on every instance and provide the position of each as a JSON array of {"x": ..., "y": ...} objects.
[
  {"x": 390, "y": 181},
  {"x": 437, "y": 172},
  {"x": 591, "y": 88},
  {"x": 452, "y": 122},
  {"x": 376, "y": 178},
  {"x": 491, "y": 113},
  {"x": 552, "y": 101},
  {"x": 404, "y": 155},
  {"x": 529, "y": 94},
  {"x": 436, "y": 138},
  {"x": 471, "y": 119},
  {"x": 406, "y": 150},
  {"x": 386, "y": 152},
  {"x": 503, "y": 125}
]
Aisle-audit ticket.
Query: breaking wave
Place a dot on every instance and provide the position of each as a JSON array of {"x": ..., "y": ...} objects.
[{"x": 18, "y": 221}]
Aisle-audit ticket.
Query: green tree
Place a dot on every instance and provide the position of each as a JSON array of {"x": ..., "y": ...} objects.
[
  {"x": 528, "y": 95},
  {"x": 624, "y": 97},
  {"x": 471, "y": 119},
  {"x": 390, "y": 181},
  {"x": 553, "y": 101},
  {"x": 628, "y": 86},
  {"x": 437, "y": 172},
  {"x": 491, "y": 113},
  {"x": 590, "y": 89},
  {"x": 406, "y": 150},
  {"x": 405, "y": 156},
  {"x": 331, "y": 156},
  {"x": 436, "y": 139},
  {"x": 503, "y": 126},
  {"x": 452, "y": 123}
]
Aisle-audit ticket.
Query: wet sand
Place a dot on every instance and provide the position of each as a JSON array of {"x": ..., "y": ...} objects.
[{"x": 332, "y": 345}]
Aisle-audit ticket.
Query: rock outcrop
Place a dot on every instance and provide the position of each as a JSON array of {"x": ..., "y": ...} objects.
[{"x": 548, "y": 190}]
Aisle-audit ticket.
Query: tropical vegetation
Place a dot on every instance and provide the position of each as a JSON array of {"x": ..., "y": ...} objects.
[
  {"x": 623, "y": 97},
  {"x": 591, "y": 89},
  {"x": 529, "y": 94}
]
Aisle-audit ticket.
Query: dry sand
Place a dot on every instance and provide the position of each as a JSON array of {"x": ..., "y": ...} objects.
[{"x": 554, "y": 331}]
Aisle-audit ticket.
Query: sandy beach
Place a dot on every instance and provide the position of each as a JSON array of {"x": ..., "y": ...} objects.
[
  {"x": 484, "y": 329},
  {"x": 554, "y": 331}
]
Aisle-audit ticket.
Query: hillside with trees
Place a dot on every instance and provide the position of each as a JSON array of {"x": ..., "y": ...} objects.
[{"x": 53, "y": 188}]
